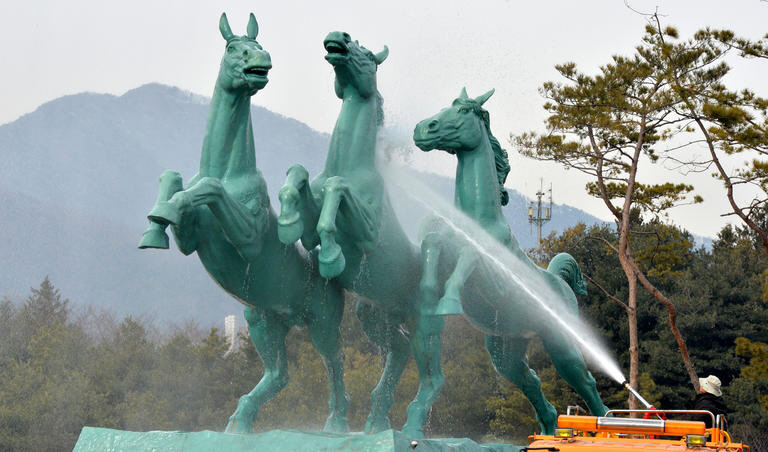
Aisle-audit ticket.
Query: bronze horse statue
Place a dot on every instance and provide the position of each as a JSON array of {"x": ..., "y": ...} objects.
[
  {"x": 347, "y": 212},
  {"x": 503, "y": 307},
  {"x": 224, "y": 215}
]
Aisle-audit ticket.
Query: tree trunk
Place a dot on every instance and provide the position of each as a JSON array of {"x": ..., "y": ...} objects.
[
  {"x": 634, "y": 343},
  {"x": 672, "y": 324},
  {"x": 627, "y": 264}
]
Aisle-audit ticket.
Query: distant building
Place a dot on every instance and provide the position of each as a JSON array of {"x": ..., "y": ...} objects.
[{"x": 230, "y": 332}]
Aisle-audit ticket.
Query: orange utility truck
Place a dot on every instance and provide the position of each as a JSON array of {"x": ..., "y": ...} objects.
[{"x": 614, "y": 433}]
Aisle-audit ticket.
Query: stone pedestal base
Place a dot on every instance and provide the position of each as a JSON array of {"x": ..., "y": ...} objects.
[{"x": 94, "y": 439}]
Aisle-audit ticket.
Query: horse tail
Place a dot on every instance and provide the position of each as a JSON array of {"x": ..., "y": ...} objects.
[{"x": 566, "y": 267}]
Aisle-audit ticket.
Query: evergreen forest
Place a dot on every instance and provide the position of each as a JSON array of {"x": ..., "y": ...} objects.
[{"x": 64, "y": 366}]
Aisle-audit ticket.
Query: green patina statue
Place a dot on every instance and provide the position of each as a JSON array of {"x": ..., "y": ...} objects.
[
  {"x": 345, "y": 221},
  {"x": 506, "y": 312},
  {"x": 346, "y": 211},
  {"x": 225, "y": 216}
]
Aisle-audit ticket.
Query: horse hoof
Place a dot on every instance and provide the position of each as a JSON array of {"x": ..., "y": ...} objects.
[
  {"x": 449, "y": 305},
  {"x": 289, "y": 228},
  {"x": 547, "y": 420},
  {"x": 230, "y": 428},
  {"x": 154, "y": 238},
  {"x": 235, "y": 426},
  {"x": 331, "y": 261},
  {"x": 165, "y": 213},
  {"x": 376, "y": 425},
  {"x": 336, "y": 424},
  {"x": 413, "y": 433}
]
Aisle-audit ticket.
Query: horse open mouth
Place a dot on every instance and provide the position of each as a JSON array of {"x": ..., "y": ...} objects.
[
  {"x": 260, "y": 71},
  {"x": 336, "y": 48},
  {"x": 425, "y": 144}
]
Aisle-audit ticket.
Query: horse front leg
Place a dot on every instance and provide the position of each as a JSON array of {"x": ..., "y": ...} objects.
[
  {"x": 359, "y": 221},
  {"x": 429, "y": 285},
  {"x": 268, "y": 336},
  {"x": 243, "y": 227},
  {"x": 299, "y": 210},
  {"x": 155, "y": 236},
  {"x": 450, "y": 303}
]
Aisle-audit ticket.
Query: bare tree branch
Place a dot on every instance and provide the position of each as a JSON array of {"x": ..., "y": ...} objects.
[{"x": 605, "y": 292}]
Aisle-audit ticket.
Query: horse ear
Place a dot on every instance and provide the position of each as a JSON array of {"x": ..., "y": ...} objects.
[
  {"x": 381, "y": 56},
  {"x": 226, "y": 32},
  {"x": 253, "y": 27},
  {"x": 463, "y": 94},
  {"x": 481, "y": 99}
]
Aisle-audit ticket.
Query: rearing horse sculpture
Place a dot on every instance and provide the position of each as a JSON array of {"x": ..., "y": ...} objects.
[
  {"x": 224, "y": 215},
  {"x": 346, "y": 210},
  {"x": 506, "y": 312}
]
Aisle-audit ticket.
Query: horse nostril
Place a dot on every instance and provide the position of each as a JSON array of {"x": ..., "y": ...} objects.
[{"x": 433, "y": 125}]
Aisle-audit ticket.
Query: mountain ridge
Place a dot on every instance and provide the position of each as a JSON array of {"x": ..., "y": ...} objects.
[{"x": 79, "y": 175}]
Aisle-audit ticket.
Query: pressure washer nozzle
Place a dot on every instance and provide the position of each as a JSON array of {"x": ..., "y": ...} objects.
[{"x": 637, "y": 395}]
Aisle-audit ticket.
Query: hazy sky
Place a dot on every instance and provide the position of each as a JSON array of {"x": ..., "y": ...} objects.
[{"x": 54, "y": 48}]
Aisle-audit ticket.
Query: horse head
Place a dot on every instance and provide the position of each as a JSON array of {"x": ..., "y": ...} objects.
[
  {"x": 463, "y": 127},
  {"x": 245, "y": 63},
  {"x": 458, "y": 128},
  {"x": 355, "y": 66}
]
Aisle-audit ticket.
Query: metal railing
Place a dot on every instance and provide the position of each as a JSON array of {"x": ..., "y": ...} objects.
[{"x": 718, "y": 421}]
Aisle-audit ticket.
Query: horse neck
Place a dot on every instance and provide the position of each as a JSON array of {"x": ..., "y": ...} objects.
[
  {"x": 353, "y": 142},
  {"x": 228, "y": 149},
  {"x": 477, "y": 186}
]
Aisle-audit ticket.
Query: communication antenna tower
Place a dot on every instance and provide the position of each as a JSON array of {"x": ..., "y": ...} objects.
[{"x": 538, "y": 214}]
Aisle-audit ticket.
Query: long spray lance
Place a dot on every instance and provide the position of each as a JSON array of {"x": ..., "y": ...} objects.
[{"x": 637, "y": 395}]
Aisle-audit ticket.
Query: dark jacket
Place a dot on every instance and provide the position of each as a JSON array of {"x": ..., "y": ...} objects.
[{"x": 709, "y": 402}]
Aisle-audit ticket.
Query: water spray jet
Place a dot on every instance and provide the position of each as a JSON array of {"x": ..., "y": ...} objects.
[{"x": 505, "y": 264}]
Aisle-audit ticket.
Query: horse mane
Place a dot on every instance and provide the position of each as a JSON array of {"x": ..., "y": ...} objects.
[
  {"x": 501, "y": 158},
  {"x": 379, "y": 99},
  {"x": 379, "y": 109},
  {"x": 566, "y": 267}
]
